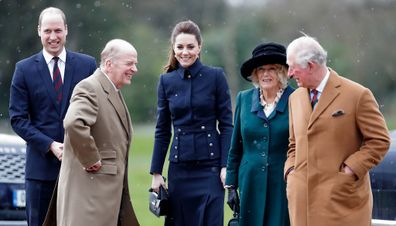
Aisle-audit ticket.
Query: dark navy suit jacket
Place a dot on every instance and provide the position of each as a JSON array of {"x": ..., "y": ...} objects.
[
  {"x": 197, "y": 102},
  {"x": 36, "y": 116}
]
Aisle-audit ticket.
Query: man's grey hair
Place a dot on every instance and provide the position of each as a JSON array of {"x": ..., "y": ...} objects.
[
  {"x": 52, "y": 10},
  {"x": 113, "y": 49},
  {"x": 305, "y": 49}
]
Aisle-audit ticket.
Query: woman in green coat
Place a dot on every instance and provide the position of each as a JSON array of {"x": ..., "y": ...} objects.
[{"x": 260, "y": 140}]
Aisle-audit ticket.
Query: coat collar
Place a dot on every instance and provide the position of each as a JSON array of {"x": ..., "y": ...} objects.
[
  {"x": 330, "y": 92},
  {"x": 257, "y": 108},
  {"x": 116, "y": 100},
  {"x": 45, "y": 76},
  {"x": 194, "y": 69},
  {"x": 67, "y": 80},
  {"x": 105, "y": 82},
  {"x": 280, "y": 107}
]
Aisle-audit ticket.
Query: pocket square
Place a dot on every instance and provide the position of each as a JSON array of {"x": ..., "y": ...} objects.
[{"x": 338, "y": 112}]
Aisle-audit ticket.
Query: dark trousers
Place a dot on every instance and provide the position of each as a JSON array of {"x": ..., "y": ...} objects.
[{"x": 38, "y": 196}]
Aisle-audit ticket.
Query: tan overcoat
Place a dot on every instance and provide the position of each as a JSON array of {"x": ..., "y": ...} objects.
[
  {"x": 346, "y": 126},
  {"x": 97, "y": 127}
]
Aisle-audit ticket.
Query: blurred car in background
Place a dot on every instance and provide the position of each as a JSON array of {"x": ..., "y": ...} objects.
[
  {"x": 383, "y": 184},
  {"x": 12, "y": 180}
]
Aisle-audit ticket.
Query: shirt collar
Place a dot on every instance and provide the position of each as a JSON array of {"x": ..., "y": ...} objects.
[
  {"x": 48, "y": 57},
  {"x": 322, "y": 84},
  {"x": 115, "y": 88},
  {"x": 194, "y": 69}
]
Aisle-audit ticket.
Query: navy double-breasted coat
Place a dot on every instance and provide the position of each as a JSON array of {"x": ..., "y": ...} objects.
[{"x": 196, "y": 103}]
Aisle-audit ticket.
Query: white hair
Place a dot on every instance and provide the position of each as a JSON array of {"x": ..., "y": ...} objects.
[
  {"x": 113, "y": 49},
  {"x": 305, "y": 49}
]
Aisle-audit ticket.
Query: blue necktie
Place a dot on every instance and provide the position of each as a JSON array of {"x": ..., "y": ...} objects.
[{"x": 57, "y": 80}]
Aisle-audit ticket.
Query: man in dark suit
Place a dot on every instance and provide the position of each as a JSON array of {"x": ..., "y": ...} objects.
[{"x": 40, "y": 92}]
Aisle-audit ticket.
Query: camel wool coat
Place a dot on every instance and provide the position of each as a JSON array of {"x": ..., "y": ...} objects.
[
  {"x": 97, "y": 127},
  {"x": 345, "y": 127}
]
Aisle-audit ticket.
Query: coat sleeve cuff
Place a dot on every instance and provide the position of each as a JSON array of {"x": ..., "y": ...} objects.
[
  {"x": 287, "y": 172},
  {"x": 356, "y": 168}
]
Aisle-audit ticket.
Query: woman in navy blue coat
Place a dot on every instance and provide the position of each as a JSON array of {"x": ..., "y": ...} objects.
[{"x": 194, "y": 99}]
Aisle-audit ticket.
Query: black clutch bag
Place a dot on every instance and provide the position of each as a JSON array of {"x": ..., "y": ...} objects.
[
  {"x": 234, "y": 221},
  {"x": 159, "y": 202}
]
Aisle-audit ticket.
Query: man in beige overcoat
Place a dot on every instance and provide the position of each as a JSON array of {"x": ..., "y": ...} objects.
[
  {"x": 336, "y": 136},
  {"x": 93, "y": 181}
]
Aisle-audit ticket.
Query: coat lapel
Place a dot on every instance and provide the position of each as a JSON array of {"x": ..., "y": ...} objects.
[
  {"x": 328, "y": 95},
  {"x": 45, "y": 76},
  {"x": 301, "y": 106},
  {"x": 67, "y": 79},
  {"x": 283, "y": 102},
  {"x": 115, "y": 100},
  {"x": 257, "y": 108},
  {"x": 129, "y": 123}
]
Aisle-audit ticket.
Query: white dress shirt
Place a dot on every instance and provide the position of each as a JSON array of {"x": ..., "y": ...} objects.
[{"x": 61, "y": 62}]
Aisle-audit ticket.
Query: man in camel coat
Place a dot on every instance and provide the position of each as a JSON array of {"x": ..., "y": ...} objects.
[
  {"x": 93, "y": 180},
  {"x": 336, "y": 136}
]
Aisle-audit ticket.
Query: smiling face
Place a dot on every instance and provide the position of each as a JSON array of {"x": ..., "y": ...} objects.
[
  {"x": 52, "y": 32},
  {"x": 186, "y": 49},
  {"x": 122, "y": 68},
  {"x": 267, "y": 76},
  {"x": 302, "y": 75}
]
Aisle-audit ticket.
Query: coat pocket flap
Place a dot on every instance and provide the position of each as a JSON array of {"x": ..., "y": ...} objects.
[
  {"x": 108, "y": 169},
  {"x": 108, "y": 154}
]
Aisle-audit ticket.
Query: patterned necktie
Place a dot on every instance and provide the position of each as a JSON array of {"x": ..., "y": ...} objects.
[
  {"x": 314, "y": 98},
  {"x": 57, "y": 80}
]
